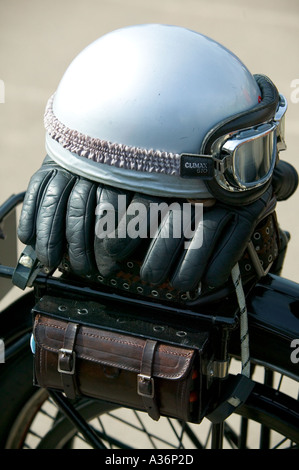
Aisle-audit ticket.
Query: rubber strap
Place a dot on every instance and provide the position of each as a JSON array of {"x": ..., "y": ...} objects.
[{"x": 244, "y": 334}]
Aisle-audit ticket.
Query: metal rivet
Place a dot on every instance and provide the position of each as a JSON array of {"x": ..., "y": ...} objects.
[
  {"x": 100, "y": 278},
  {"x": 62, "y": 308},
  {"x": 140, "y": 289},
  {"x": 130, "y": 264},
  {"x": 126, "y": 285},
  {"x": 155, "y": 293},
  {"x": 113, "y": 282},
  {"x": 257, "y": 236},
  {"x": 247, "y": 267},
  {"x": 82, "y": 311},
  {"x": 169, "y": 296},
  {"x": 158, "y": 328},
  {"x": 181, "y": 334}
]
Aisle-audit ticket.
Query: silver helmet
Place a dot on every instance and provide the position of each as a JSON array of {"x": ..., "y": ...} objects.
[{"x": 144, "y": 108}]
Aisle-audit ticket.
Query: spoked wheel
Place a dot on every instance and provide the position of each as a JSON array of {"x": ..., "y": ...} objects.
[{"x": 269, "y": 419}]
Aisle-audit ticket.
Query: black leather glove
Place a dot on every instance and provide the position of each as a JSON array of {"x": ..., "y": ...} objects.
[
  {"x": 226, "y": 231},
  {"x": 119, "y": 242},
  {"x": 62, "y": 213},
  {"x": 58, "y": 216}
]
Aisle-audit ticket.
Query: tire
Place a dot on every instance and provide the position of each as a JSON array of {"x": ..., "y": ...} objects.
[{"x": 30, "y": 419}]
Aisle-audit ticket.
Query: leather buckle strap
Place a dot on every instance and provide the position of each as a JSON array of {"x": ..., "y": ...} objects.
[
  {"x": 146, "y": 386},
  {"x": 145, "y": 381},
  {"x": 67, "y": 361}
]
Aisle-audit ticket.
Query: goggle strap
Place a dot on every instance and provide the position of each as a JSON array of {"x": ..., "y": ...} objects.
[{"x": 262, "y": 112}]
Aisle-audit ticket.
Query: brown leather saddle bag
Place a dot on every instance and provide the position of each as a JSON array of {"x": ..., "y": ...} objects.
[{"x": 134, "y": 371}]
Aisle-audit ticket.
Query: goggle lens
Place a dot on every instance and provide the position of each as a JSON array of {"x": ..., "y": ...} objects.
[
  {"x": 253, "y": 151},
  {"x": 254, "y": 159}
]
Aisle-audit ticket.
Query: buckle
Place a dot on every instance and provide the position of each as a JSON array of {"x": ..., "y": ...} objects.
[
  {"x": 70, "y": 357},
  {"x": 145, "y": 386}
]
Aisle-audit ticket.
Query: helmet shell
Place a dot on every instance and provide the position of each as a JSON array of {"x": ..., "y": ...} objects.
[{"x": 152, "y": 87}]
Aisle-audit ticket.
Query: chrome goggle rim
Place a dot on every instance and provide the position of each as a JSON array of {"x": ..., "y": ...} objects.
[
  {"x": 227, "y": 173},
  {"x": 224, "y": 152}
]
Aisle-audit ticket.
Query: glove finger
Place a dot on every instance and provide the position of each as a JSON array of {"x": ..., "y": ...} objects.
[
  {"x": 229, "y": 252},
  {"x": 109, "y": 209},
  {"x": 255, "y": 211},
  {"x": 111, "y": 206},
  {"x": 80, "y": 222},
  {"x": 50, "y": 222},
  {"x": 235, "y": 240},
  {"x": 133, "y": 226},
  {"x": 33, "y": 196},
  {"x": 195, "y": 259},
  {"x": 164, "y": 249}
]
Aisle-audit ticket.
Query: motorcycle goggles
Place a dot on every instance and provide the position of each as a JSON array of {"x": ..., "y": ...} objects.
[{"x": 244, "y": 159}]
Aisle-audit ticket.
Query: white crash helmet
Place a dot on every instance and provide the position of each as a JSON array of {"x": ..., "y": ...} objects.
[{"x": 166, "y": 111}]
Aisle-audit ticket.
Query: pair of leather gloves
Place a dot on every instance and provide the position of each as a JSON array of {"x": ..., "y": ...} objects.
[{"x": 62, "y": 210}]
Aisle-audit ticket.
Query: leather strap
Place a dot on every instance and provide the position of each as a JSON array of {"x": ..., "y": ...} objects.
[
  {"x": 67, "y": 361},
  {"x": 145, "y": 380}
]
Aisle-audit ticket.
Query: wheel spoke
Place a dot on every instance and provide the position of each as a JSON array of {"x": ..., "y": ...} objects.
[{"x": 44, "y": 425}]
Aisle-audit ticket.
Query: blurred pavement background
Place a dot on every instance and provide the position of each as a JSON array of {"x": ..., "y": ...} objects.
[{"x": 38, "y": 40}]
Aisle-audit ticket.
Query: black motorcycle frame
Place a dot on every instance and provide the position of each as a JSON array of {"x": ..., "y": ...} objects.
[{"x": 273, "y": 316}]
